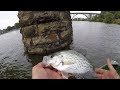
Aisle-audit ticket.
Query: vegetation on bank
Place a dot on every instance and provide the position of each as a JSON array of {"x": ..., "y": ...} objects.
[
  {"x": 104, "y": 16},
  {"x": 10, "y": 28},
  {"x": 108, "y": 17},
  {"x": 79, "y": 19}
]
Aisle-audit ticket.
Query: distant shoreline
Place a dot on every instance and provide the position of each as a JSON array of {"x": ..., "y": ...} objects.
[
  {"x": 10, "y": 28},
  {"x": 8, "y": 31}
]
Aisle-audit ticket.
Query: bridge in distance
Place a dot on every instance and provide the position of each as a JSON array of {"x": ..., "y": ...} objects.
[{"x": 88, "y": 14}]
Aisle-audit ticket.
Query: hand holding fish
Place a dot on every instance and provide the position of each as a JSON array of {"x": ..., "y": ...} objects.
[
  {"x": 107, "y": 74},
  {"x": 41, "y": 72},
  {"x": 70, "y": 63}
]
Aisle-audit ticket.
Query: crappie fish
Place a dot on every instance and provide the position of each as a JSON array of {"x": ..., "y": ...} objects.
[{"x": 70, "y": 63}]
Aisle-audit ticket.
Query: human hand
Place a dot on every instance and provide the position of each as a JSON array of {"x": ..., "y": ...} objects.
[
  {"x": 107, "y": 74},
  {"x": 40, "y": 72}
]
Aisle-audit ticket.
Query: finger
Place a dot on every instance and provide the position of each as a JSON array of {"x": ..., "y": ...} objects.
[
  {"x": 50, "y": 67},
  {"x": 59, "y": 72},
  {"x": 98, "y": 75},
  {"x": 40, "y": 65},
  {"x": 110, "y": 66},
  {"x": 55, "y": 70},
  {"x": 99, "y": 70},
  {"x": 105, "y": 78},
  {"x": 52, "y": 74}
]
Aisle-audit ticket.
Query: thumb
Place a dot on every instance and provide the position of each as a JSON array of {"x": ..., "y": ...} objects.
[
  {"x": 41, "y": 64},
  {"x": 110, "y": 66}
]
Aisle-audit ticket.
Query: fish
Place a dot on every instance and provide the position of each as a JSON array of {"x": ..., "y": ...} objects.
[{"x": 70, "y": 63}]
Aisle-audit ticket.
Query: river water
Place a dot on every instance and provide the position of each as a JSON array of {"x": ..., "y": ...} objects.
[{"x": 95, "y": 40}]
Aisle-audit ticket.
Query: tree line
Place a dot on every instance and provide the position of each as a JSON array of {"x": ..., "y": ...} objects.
[
  {"x": 10, "y": 28},
  {"x": 108, "y": 17},
  {"x": 79, "y": 19}
]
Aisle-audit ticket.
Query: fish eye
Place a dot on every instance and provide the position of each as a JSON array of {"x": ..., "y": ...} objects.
[{"x": 51, "y": 56}]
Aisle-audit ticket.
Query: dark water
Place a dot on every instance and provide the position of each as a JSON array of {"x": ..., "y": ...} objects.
[
  {"x": 95, "y": 40},
  {"x": 13, "y": 62}
]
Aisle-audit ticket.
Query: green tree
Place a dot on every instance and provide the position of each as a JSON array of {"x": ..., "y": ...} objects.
[
  {"x": 116, "y": 21},
  {"x": 108, "y": 17},
  {"x": 9, "y": 28},
  {"x": 17, "y": 25},
  {"x": 117, "y": 15},
  {"x": 113, "y": 12}
]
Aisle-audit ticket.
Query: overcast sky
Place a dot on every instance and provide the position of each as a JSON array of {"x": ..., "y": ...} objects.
[{"x": 9, "y": 18}]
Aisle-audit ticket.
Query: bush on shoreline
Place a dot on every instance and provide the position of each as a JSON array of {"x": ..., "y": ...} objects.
[
  {"x": 108, "y": 17},
  {"x": 10, "y": 28}
]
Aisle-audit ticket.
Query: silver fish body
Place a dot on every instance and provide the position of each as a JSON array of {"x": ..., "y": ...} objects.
[{"x": 70, "y": 62}]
